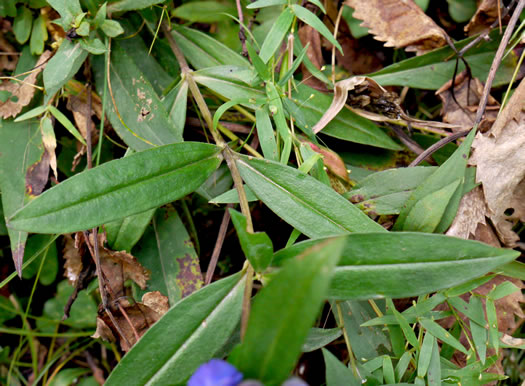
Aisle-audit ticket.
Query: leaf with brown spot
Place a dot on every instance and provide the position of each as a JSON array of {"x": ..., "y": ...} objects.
[
  {"x": 37, "y": 176},
  {"x": 331, "y": 160},
  {"x": 20, "y": 147},
  {"x": 167, "y": 251},
  {"x": 464, "y": 114},
  {"x": 399, "y": 23},
  {"x": 500, "y": 161},
  {"x": 22, "y": 91}
]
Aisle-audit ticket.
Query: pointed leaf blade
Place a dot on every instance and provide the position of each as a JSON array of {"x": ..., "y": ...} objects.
[{"x": 120, "y": 188}]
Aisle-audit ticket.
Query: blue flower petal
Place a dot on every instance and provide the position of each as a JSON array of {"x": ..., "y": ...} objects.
[{"x": 216, "y": 372}]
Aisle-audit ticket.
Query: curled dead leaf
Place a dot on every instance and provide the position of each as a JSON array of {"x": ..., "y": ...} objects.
[
  {"x": 156, "y": 301},
  {"x": 23, "y": 90},
  {"x": 331, "y": 160},
  {"x": 399, "y": 23}
]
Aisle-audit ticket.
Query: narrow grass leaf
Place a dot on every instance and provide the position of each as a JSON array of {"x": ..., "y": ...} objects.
[
  {"x": 276, "y": 35},
  {"x": 439, "y": 332},
  {"x": 478, "y": 331},
  {"x": 410, "y": 335},
  {"x": 266, "y": 134},
  {"x": 123, "y": 234},
  {"x": 314, "y": 22},
  {"x": 66, "y": 123},
  {"x": 388, "y": 370},
  {"x": 434, "y": 367},
  {"x": 425, "y": 354},
  {"x": 337, "y": 373},
  {"x": 320, "y": 337}
]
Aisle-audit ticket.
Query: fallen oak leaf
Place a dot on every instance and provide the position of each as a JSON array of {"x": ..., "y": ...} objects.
[
  {"x": 399, "y": 23},
  {"x": 23, "y": 90}
]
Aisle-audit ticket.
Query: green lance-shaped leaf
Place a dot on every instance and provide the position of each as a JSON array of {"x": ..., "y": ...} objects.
[
  {"x": 189, "y": 334},
  {"x": 119, "y": 188},
  {"x": 305, "y": 203},
  {"x": 283, "y": 312},
  {"x": 432, "y": 70},
  {"x": 22, "y": 24},
  {"x": 129, "y": 5},
  {"x": 320, "y": 337},
  {"x": 142, "y": 120},
  {"x": 167, "y": 252},
  {"x": 437, "y": 198},
  {"x": 123, "y": 234},
  {"x": 373, "y": 264},
  {"x": 257, "y": 247}
]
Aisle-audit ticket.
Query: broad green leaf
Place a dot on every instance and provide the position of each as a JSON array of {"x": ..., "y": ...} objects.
[
  {"x": 167, "y": 252},
  {"x": 49, "y": 255},
  {"x": 100, "y": 15},
  {"x": 216, "y": 184},
  {"x": 461, "y": 10},
  {"x": 145, "y": 121},
  {"x": 123, "y": 234},
  {"x": 283, "y": 312},
  {"x": 257, "y": 247},
  {"x": 337, "y": 373},
  {"x": 20, "y": 148},
  {"x": 354, "y": 24},
  {"x": 385, "y": 192},
  {"x": 308, "y": 106},
  {"x": 38, "y": 35},
  {"x": 203, "y": 51},
  {"x": 186, "y": 336},
  {"x": 479, "y": 332},
  {"x": 320, "y": 337},
  {"x": 313, "y": 21},
  {"x": 305, "y": 203},
  {"x": 22, "y": 24},
  {"x": 204, "y": 11},
  {"x": 130, "y": 5},
  {"x": 112, "y": 28},
  {"x": 513, "y": 269},
  {"x": 434, "y": 69},
  {"x": 276, "y": 35},
  {"x": 266, "y": 134},
  {"x": 373, "y": 264},
  {"x": 137, "y": 50},
  {"x": 234, "y": 73},
  {"x": 266, "y": 3},
  {"x": 427, "y": 213},
  {"x": 443, "y": 178},
  {"x": 62, "y": 66},
  {"x": 367, "y": 342},
  {"x": 467, "y": 286},
  {"x": 119, "y": 188}
]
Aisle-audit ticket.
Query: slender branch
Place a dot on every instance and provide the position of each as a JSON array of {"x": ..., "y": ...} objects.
[
  {"x": 218, "y": 245},
  {"x": 242, "y": 35}
]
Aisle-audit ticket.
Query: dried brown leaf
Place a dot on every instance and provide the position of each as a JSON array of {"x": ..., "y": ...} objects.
[
  {"x": 399, "y": 23},
  {"x": 331, "y": 160},
  {"x": 485, "y": 15},
  {"x": 23, "y": 90},
  {"x": 37, "y": 176},
  {"x": 72, "y": 258},
  {"x": 156, "y": 301},
  {"x": 471, "y": 212},
  {"x": 309, "y": 35},
  {"x": 137, "y": 320},
  {"x": 500, "y": 160},
  {"x": 464, "y": 114}
]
